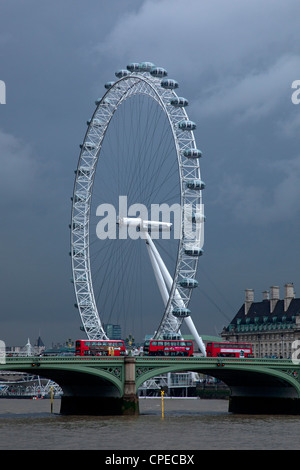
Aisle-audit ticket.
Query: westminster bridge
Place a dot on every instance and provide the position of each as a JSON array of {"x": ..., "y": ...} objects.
[{"x": 109, "y": 385}]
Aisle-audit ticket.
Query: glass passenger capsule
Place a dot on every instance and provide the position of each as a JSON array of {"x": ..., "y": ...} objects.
[
  {"x": 169, "y": 84},
  {"x": 187, "y": 125},
  {"x": 158, "y": 72},
  {"x": 108, "y": 85},
  {"x": 192, "y": 153},
  {"x": 121, "y": 73},
  {"x": 179, "y": 102},
  {"x": 193, "y": 251},
  {"x": 195, "y": 184},
  {"x": 190, "y": 283},
  {"x": 181, "y": 312},
  {"x": 133, "y": 67},
  {"x": 145, "y": 66}
]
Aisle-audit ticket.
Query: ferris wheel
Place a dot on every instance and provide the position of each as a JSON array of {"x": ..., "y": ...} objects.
[{"x": 137, "y": 212}]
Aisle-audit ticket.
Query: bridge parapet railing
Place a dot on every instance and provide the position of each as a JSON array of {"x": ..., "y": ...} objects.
[
  {"x": 224, "y": 360},
  {"x": 145, "y": 359},
  {"x": 65, "y": 359}
]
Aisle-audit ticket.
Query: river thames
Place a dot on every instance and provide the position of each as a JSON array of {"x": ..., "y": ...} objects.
[{"x": 187, "y": 424}]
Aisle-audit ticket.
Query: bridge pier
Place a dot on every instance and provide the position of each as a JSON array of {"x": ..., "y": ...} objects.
[{"x": 130, "y": 405}]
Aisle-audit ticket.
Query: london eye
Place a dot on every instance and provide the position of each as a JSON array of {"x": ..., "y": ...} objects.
[{"x": 137, "y": 218}]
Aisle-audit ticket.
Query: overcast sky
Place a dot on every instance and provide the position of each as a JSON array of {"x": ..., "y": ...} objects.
[{"x": 235, "y": 61}]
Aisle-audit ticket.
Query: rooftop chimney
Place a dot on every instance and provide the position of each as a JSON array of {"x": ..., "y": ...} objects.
[
  {"x": 289, "y": 295},
  {"x": 249, "y": 298},
  {"x": 274, "y": 297},
  {"x": 266, "y": 295}
]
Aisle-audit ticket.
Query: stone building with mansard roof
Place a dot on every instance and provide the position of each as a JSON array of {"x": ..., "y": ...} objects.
[{"x": 271, "y": 325}]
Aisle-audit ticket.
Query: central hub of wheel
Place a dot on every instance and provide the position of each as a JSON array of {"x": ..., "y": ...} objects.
[{"x": 143, "y": 224}]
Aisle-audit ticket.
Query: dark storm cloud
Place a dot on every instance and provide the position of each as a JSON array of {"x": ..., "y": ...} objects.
[{"x": 235, "y": 62}]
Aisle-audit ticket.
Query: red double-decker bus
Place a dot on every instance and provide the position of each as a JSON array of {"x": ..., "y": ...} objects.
[
  {"x": 229, "y": 350},
  {"x": 85, "y": 347},
  {"x": 163, "y": 347}
]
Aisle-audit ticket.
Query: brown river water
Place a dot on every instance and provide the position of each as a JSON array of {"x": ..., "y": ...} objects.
[{"x": 187, "y": 424}]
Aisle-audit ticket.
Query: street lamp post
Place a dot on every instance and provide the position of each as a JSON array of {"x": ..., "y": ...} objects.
[{"x": 130, "y": 340}]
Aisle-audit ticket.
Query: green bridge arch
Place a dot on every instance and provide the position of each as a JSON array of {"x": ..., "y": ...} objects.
[
  {"x": 67, "y": 371},
  {"x": 262, "y": 386},
  {"x": 225, "y": 369}
]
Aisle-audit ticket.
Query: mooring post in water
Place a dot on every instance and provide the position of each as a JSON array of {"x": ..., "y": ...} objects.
[{"x": 51, "y": 399}]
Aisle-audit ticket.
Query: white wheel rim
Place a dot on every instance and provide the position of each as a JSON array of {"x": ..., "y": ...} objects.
[{"x": 135, "y": 83}]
